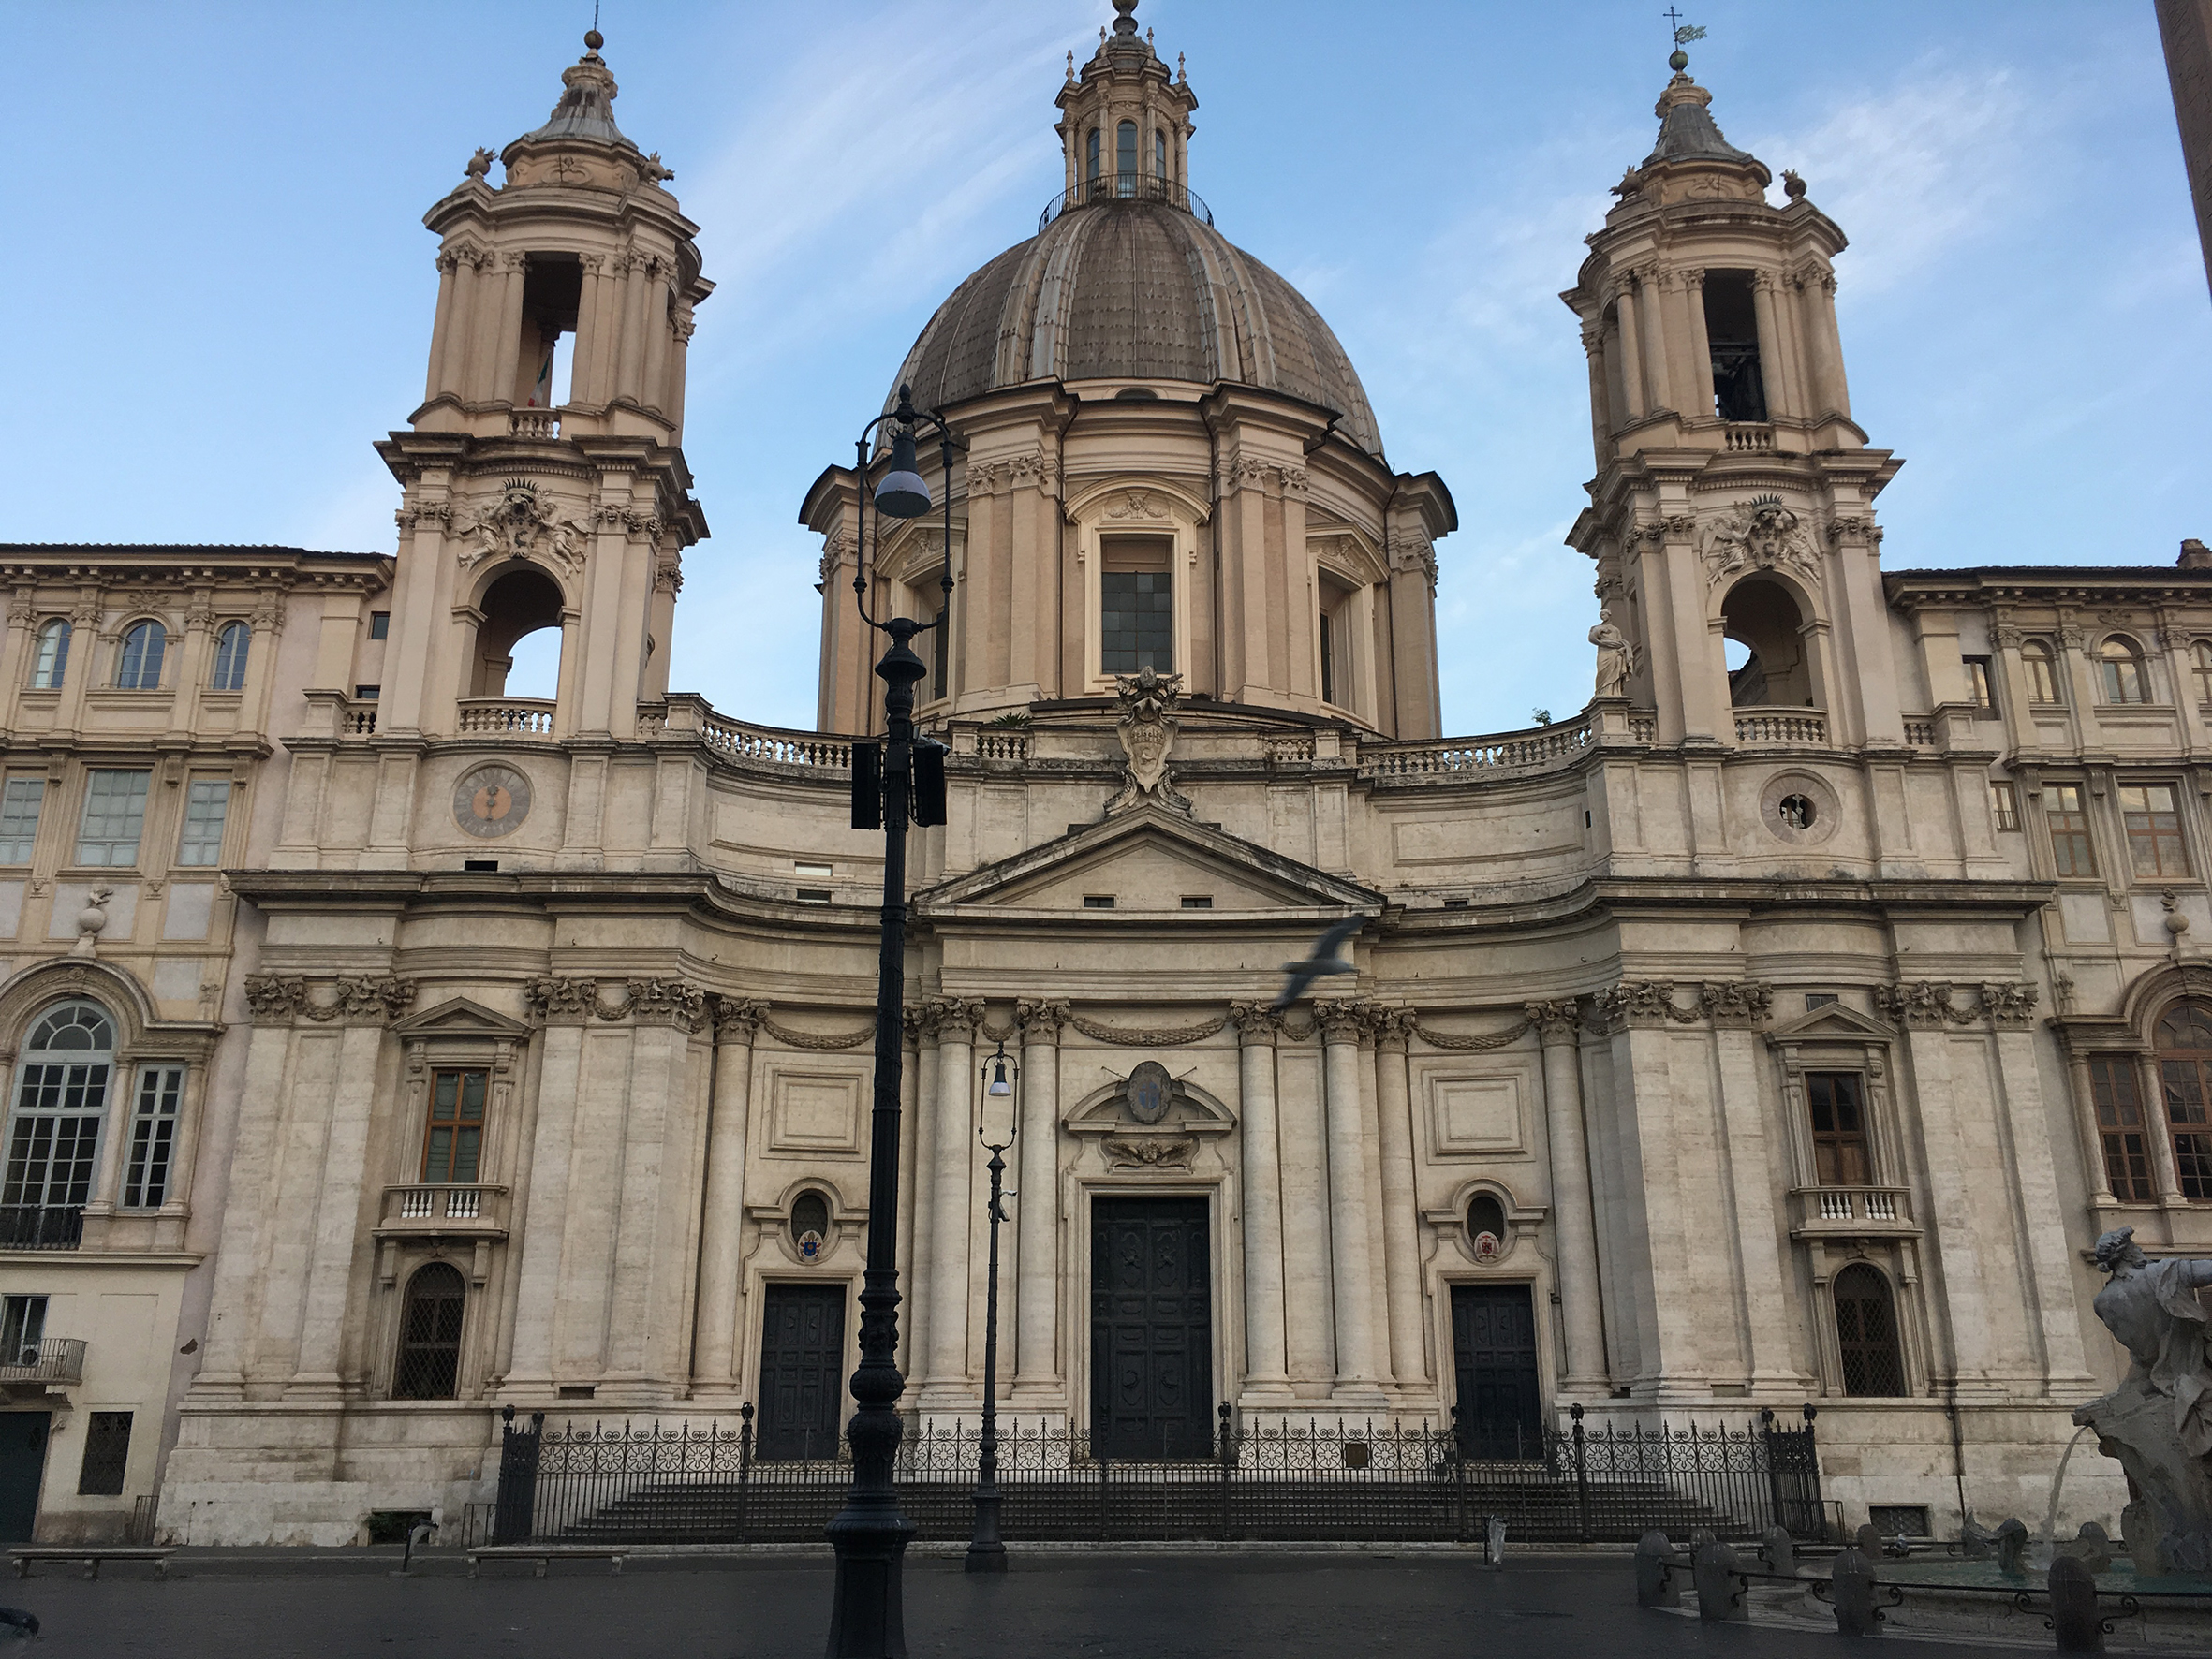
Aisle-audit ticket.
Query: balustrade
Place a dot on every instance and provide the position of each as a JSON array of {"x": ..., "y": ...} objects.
[
  {"x": 1851, "y": 1212},
  {"x": 514, "y": 717},
  {"x": 534, "y": 423},
  {"x": 1483, "y": 753},
  {"x": 1782, "y": 726},
  {"x": 442, "y": 1208}
]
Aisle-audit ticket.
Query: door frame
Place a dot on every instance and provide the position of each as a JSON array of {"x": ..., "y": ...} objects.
[
  {"x": 1549, "y": 1335},
  {"x": 1223, "y": 1314},
  {"x": 749, "y": 1377}
]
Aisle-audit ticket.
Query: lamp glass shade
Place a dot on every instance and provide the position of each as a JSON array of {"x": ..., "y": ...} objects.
[
  {"x": 998, "y": 1087},
  {"x": 903, "y": 493}
]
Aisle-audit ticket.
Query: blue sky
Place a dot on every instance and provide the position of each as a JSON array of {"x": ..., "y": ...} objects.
[{"x": 219, "y": 291}]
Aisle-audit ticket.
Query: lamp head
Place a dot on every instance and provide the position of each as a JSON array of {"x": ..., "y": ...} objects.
[
  {"x": 903, "y": 493},
  {"x": 998, "y": 1087}
]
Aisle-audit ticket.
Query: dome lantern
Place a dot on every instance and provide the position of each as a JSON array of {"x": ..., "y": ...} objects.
[{"x": 1125, "y": 123}]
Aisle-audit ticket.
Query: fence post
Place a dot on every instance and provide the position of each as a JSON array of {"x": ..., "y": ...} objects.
[
  {"x": 1226, "y": 1449},
  {"x": 1105, "y": 1514},
  {"x": 744, "y": 1466},
  {"x": 1582, "y": 1474},
  {"x": 1458, "y": 1480}
]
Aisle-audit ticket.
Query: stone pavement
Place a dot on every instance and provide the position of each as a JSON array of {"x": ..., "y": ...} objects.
[{"x": 1217, "y": 1605}]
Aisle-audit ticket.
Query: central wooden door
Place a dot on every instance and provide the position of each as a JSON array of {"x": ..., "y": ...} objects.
[
  {"x": 1494, "y": 1356},
  {"x": 802, "y": 1371},
  {"x": 1152, "y": 1329}
]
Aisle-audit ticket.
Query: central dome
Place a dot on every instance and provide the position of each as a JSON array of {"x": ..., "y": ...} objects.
[{"x": 1135, "y": 290}]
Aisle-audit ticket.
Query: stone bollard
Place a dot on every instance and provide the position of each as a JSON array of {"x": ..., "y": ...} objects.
[
  {"x": 1781, "y": 1551},
  {"x": 1721, "y": 1594},
  {"x": 1494, "y": 1544},
  {"x": 1656, "y": 1584},
  {"x": 1853, "y": 1589},
  {"x": 2074, "y": 1607}
]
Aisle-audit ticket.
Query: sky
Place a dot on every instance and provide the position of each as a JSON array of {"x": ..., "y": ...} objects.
[{"x": 220, "y": 293}]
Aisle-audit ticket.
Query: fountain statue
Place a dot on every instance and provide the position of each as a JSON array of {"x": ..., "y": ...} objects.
[{"x": 2158, "y": 1421}]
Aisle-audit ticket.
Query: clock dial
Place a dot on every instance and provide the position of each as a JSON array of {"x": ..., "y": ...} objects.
[{"x": 491, "y": 800}]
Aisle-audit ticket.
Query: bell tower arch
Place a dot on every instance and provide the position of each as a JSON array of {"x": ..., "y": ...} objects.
[
  {"x": 548, "y": 449},
  {"x": 1734, "y": 497}
]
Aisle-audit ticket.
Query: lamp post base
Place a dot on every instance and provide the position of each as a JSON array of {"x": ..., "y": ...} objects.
[
  {"x": 868, "y": 1615},
  {"x": 985, "y": 1553}
]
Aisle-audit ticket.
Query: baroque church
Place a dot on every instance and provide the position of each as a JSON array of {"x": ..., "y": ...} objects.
[{"x": 387, "y": 1049}]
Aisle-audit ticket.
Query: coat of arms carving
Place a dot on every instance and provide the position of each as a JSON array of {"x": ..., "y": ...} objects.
[
  {"x": 1757, "y": 534},
  {"x": 1147, "y": 724},
  {"x": 518, "y": 522}
]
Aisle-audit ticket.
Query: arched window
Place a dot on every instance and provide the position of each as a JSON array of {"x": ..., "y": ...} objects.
[
  {"x": 230, "y": 646},
  {"x": 2125, "y": 680},
  {"x": 1124, "y": 159},
  {"x": 137, "y": 665},
  {"x": 1159, "y": 154},
  {"x": 1090, "y": 154},
  {"x": 1760, "y": 614},
  {"x": 54, "y": 1133},
  {"x": 2185, "y": 1078},
  {"x": 1866, "y": 1332},
  {"x": 429, "y": 1365},
  {"x": 810, "y": 1224},
  {"x": 2043, "y": 674},
  {"x": 2200, "y": 655},
  {"x": 52, "y": 660}
]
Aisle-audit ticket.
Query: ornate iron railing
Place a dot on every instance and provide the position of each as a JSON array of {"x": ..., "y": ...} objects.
[
  {"x": 1113, "y": 187},
  {"x": 1272, "y": 1478},
  {"x": 41, "y": 1226}
]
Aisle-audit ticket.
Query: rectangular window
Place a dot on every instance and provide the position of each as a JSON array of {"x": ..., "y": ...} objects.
[
  {"x": 1098, "y": 901},
  {"x": 2119, "y": 1126},
  {"x": 813, "y": 895},
  {"x": 22, "y": 1327},
  {"x": 455, "y": 1139},
  {"x": 1136, "y": 606},
  {"x": 19, "y": 818},
  {"x": 1820, "y": 999},
  {"x": 367, "y": 694},
  {"x": 1980, "y": 686},
  {"x": 2191, "y": 1116},
  {"x": 2042, "y": 675},
  {"x": 379, "y": 625},
  {"x": 2004, "y": 803},
  {"x": 2070, "y": 829},
  {"x": 114, "y": 815},
  {"x": 2153, "y": 817},
  {"x": 812, "y": 872},
  {"x": 1837, "y": 1106},
  {"x": 1328, "y": 663},
  {"x": 1198, "y": 901},
  {"x": 205, "y": 807},
  {"x": 107, "y": 1455},
  {"x": 152, "y": 1137}
]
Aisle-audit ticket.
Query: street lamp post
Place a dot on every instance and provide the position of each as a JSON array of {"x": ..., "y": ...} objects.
[
  {"x": 867, "y": 1618},
  {"x": 985, "y": 1552}
]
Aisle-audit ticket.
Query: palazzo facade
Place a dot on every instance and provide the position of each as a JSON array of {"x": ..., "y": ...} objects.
[{"x": 1776, "y": 1031}]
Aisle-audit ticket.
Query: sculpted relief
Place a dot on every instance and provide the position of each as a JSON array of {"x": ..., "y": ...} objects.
[
  {"x": 519, "y": 522},
  {"x": 1757, "y": 534}
]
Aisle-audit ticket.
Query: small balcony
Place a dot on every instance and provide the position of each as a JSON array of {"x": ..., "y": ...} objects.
[
  {"x": 1852, "y": 1212},
  {"x": 41, "y": 1226},
  {"x": 56, "y": 1362},
  {"x": 443, "y": 1211},
  {"x": 534, "y": 423},
  {"x": 506, "y": 716},
  {"x": 1796, "y": 727}
]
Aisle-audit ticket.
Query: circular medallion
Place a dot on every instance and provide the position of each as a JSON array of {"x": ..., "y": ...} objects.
[
  {"x": 491, "y": 801},
  {"x": 1150, "y": 1092},
  {"x": 1798, "y": 807}
]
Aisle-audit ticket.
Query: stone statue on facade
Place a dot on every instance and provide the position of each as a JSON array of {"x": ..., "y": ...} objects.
[
  {"x": 1146, "y": 719},
  {"x": 2158, "y": 1421},
  {"x": 1616, "y": 657}
]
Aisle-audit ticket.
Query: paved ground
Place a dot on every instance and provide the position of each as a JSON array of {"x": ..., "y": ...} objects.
[{"x": 1097, "y": 1605}]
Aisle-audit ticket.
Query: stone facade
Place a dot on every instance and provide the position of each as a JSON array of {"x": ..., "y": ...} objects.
[{"x": 1765, "y": 1035}]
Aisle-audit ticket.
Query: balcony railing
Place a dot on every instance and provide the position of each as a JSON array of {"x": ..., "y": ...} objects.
[
  {"x": 1112, "y": 188},
  {"x": 57, "y": 1359},
  {"x": 1803, "y": 726},
  {"x": 39, "y": 1226},
  {"x": 1851, "y": 1212},
  {"x": 509, "y": 716},
  {"x": 1749, "y": 437},
  {"x": 1485, "y": 754},
  {"x": 534, "y": 423},
  {"x": 444, "y": 1208}
]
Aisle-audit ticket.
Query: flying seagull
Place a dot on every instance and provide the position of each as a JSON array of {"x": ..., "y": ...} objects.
[{"x": 1324, "y": 961}]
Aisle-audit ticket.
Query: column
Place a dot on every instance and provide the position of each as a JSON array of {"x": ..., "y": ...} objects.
[
  {"x": 1736, "y": 1011},
  {"x": 1654, "y": 340},
  {"x": 1632, "y": 349},
  {"x": 233, "y": 1309},
  {"x": 1350, "y": 1272},
  {"x": 1308, "y": 1308},
  {"x": 2086, "y": 1124},
  {"x": 952, "y": 1160},
  {"x": 1820, "y": 295},
  {"x": 721, "y": 1233},
  {"x": 545, "y": 1220},
  {"x": 629, "y": 341},
  {"x": 2158, "y": 1134},
  {"x": 507, "y": 365},
  {"x": 584, "y": 360},
  {"x": 1701, "y": 345},
  {"x": 441, "y": 329},
  {"x": 1574, "y": 1232},
  {"x": 1036, "y": 1205},
  {"x": 1262, "y": 1179},
  {"x": 329, "y": 1267},
  {"x": 1401, "y": 1220},
  {"x": 1593, "y": 346},
  {"x": 1774, "y": 366},
  {"x": 454, "y": 368},
  {"x": 656, "y": 339},
  {"x": 917, "y": 1080},
  {"x": 2035, "y": 1179}
]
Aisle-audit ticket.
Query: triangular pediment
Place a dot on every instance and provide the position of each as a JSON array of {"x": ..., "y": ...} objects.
[
  {"x": 1834, "y": 1022},
  {"x": 1149, "y": 860},
  {"x": 460, "y": 1017}
]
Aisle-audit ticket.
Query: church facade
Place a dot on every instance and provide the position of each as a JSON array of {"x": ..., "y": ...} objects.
[{"x": 1763, "y": 1035}]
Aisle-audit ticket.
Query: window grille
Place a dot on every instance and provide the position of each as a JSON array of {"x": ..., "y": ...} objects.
[
  {"x": 152, "y": 1137},
  {"x": 107, "y": 1455},
  {"x": 430, "y": 1335},
  {"x": 114, "y": 817},
  {"x": 19, "y": 818},
  {"x": 206, "y": 806},
  {"x": 1866, "y": 1333},
  {"x": 138, "y": 667},
  {"x": 230, "y": 649}
]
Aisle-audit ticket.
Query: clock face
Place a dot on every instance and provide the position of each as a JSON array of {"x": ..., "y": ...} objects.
[{"x": 491, "y": 800}]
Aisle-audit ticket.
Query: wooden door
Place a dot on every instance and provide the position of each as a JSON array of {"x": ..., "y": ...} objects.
[
  {"x": 1152, "y": 1329},
  {"x": 801, "y": 1371},
  {"x": 1494, "y": 1355}
]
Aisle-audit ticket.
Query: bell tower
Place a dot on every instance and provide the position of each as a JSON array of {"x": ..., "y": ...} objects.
[
  {"x": 1734, "y": 497},
  {"x": 544, "y": 475}
]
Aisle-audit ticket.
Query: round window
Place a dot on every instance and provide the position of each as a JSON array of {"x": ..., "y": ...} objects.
[{"x": 1796, "y": 812}]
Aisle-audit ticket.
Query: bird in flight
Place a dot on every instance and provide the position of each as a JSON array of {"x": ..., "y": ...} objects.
[{"x": 1324, "y": 960}]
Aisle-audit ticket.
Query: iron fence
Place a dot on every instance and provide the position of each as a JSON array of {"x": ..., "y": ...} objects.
[{"x": 1270, "y": 1478}]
